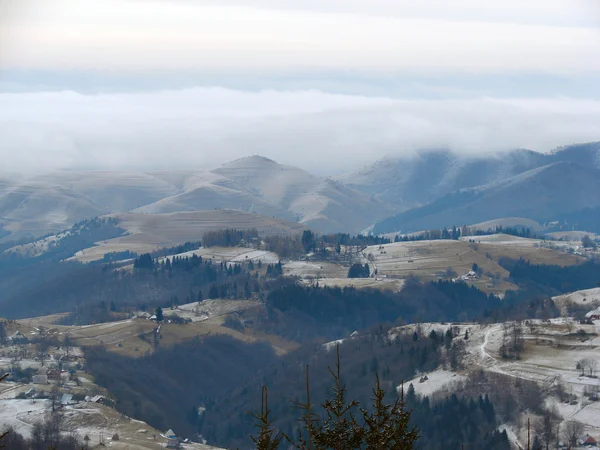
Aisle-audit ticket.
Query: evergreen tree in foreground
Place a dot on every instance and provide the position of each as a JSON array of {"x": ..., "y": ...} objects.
[{"x": 343, "y": 424}]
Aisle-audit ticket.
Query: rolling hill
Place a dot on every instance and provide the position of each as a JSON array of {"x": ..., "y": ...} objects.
[
  {"x": 148, "y": 232},
  {"x": 414, "y": 180},
  {"x": 36, "y": 206},
  {"x": 258, "y": 184},
  {"x": 539, "y": 194}
]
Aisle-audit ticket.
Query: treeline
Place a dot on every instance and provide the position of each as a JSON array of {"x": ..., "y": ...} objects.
[
  {"x": 455, "y": 233},
  {"x": 524, "y": 232},
  {"x": 359, "y": 271},
  {"x": 552, "y": 278},
  {"x": 303, "y": 312},
  {"x": 294, "y": 246},
  {"x": 587, "y": 219},
  {"x": 80, "y": 236},
  {"x": 166, "y": 388},
  {"x": 443, "y": 424},
  {"x": 82, "y": 288},
  {"x": 432, "y": 235},
  {"x": 228, "y": 237}
]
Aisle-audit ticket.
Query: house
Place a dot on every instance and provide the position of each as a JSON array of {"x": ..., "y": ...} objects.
[
  {"x": 18, "y": 338},
  {"x": 173, "y": 443},
  {"x": 593, "y": 314},
  {"x": 31, "y": 392},
  {"x": 66, "y": 399},
  {"x": 53, "y": 375},
  {"x": 40, "y": 379},
  {"x": 590, "y": 442},
  {"x": 102, "y": 400}
]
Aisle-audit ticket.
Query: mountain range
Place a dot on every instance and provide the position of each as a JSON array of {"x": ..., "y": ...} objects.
[{"x": 426, "y": 189}]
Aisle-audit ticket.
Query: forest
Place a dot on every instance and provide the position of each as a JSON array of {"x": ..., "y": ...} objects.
[{"x": 179, "y": 380}]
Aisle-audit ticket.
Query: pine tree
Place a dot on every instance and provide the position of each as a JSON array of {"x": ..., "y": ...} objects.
[
  {"x": 385, "y": 426},
  {"x": 268, "y": 438},
  {"x": 159, "y": 314}
]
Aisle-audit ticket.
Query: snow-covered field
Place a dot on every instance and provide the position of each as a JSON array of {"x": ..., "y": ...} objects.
[
  {"x": 22, "y": 414},
  {"x": 208, "y": 309},
  {"x": 552, "y": 350},
  {"x": 319, "y": 270},
  {"x": 149, "y": 232},
  {"x": 436, "y": 381},
  {"x": 583, "y": 297},
  {"x": 386, "y": 284}
]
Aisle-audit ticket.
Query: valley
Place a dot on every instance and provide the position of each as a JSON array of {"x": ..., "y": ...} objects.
[{"x": 212, "y": 284}]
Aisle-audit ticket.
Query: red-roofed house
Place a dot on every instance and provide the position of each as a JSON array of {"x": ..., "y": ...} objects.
[{"x": 590, "y": 442}]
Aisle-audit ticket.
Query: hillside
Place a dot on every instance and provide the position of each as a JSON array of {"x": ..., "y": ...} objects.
[
  {"x": 43, "y": 204},
  {"x": 258, "y": 184},
  {"x": 412, "y": 180},
  {"x": 35, "y": 208},
  {"x": 539, "y": 194},
  {"x": 419, "y": 178},
  {"x": 148, "y": 232}
]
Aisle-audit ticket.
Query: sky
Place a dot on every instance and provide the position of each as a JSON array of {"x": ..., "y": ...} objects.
[{"x": 327, "y": 85}]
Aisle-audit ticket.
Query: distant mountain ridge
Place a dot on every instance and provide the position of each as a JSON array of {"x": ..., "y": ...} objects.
[
  {"x": 540, "y": 194},
  {"x": 53, "y": 202},
  {"x": 414, "y": 180},
  {"x": 431, "y": 188},
  {"x": 259, "y": 184}
]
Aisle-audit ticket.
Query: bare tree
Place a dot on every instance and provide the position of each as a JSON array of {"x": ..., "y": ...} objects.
[
  {"x": 592, "y": 366},
  {"x": 546, "y": 428},
  {"x": 42, "y": 350},
  {"x": 571, "y": 431},
  {"x": 68, "y": 343},
  {"x": 54, "y": 398},
  {"x": 581, "y": 365}
]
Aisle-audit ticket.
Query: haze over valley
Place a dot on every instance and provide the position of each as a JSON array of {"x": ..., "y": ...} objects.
[{"x": 339, "y": 224}]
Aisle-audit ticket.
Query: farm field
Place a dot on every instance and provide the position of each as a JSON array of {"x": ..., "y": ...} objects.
[
  {"x": 134, "y": 337},
  {"x": 384, "y": 284},
  {"x": 589, "y": 297},
  {"x": 433, "y": 260},
  {"x": 149, "y": 232}
]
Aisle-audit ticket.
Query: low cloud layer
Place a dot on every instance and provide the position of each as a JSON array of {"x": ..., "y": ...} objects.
[{"x": 323, "y": 133}]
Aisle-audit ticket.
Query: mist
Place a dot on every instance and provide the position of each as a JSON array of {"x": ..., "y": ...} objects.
[{"x": 324, "y": 133}]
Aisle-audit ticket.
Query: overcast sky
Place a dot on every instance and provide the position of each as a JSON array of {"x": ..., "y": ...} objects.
[{"x": 328, "y": 85}]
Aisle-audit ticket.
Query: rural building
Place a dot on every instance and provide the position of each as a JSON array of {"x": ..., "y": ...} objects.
[
  {"x": 40, "y": 379},
  {"x": 101, "y": 399},
  {"x": 590, "y": 442},
  {"x": 593, "y": 314},
  {"x": 53, "y": 375},
  {"x": 31, "y": 392},
  {"x": 66, "y": 399},
  {"x": 18, "y": 338}
]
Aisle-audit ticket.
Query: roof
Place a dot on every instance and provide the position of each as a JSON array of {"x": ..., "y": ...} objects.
[
  {"x": 96, "y": 398},
  {"x": 66, "y": 399},
  {"x": 590, "y": 440},
  {"x": 593, "y": 312},
  {"x": 170, "y": 433}
]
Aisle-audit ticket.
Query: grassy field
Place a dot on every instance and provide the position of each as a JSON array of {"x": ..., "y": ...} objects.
[
  {"x": 135, "y": 337},
  {"x": 444, "y": 259},
  {"x": 384, "y": 284},
  {"x": 148, "y": 232},
  {"x": 433, "y": 260}
]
